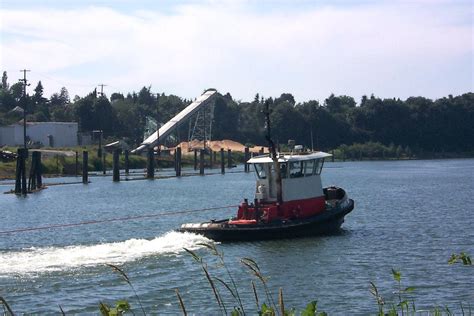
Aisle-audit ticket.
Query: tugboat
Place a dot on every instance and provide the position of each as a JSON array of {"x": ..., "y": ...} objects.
[{"x": 289, "y": 200}]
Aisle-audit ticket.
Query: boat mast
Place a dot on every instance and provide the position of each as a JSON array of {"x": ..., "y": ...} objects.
[{"x": 273, "y": 153}]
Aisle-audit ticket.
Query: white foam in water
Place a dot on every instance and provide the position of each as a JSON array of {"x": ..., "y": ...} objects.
[{"x": 56, "y": 259}]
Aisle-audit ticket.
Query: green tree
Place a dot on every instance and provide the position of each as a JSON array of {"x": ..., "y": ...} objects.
[
  {"x": 4, "y": 81},
  {"x": 83, "y": 112},
  {"x": 38, "y": 96}
]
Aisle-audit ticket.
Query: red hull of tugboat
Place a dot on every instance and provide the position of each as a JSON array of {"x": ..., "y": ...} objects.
[{"x": 326, "y": 221}]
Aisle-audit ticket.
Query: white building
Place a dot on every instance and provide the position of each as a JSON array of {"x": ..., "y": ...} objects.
[{"x": 49, "y": 134}]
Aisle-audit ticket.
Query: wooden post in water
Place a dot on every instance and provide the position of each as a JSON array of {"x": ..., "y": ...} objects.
[
  {"x": 150, "y": 170},
  {"x": 195, "y": 159},
  {"x": 77, "y": 164},
  {"x": 127, "y": 162},
  {"x": 229, "y": 158},
  {"x": 246, "y": 157},
  {"x": 20, "y": 174},
  {"x": 33, "y": 170},
  {"x": 222, "y": 161},
  {"x": 215, "y": 156},
  {"x": 85, "y": 168},
  {"x": 201, "y": 162},
  {"x": 18, "y": 171},
  {"x": 211, "y": 162},
  {"x": 332, "y": 157},
  {"x": 104, "y": 167},
  {"x": 116, "y": 167},
  {"x": 23, "y": 171},
  {"x": 178, "y": 161},
  {"x": 39, "y": 170}
]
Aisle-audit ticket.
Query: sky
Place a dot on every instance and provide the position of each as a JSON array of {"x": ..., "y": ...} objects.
[{"x": 392, "y": 49}]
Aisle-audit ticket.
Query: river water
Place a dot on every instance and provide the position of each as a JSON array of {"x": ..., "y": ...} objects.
[{"x": 409, "y": 215}]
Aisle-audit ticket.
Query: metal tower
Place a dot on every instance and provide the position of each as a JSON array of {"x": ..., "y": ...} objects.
[{"x": 200, "y": 126}]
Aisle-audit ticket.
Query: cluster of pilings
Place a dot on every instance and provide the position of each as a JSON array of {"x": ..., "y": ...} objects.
[
  {"x": 200, "y": 161},
  {"x": 34, "y": 181}
]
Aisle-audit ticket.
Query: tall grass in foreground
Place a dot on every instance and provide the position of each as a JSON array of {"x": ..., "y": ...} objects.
[{"x": 403, "y": 305}]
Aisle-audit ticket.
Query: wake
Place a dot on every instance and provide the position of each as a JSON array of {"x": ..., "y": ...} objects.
[{"x": 37, "y": 260}]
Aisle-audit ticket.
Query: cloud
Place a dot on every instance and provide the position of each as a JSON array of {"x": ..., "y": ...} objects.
[{"x": 392, "y": 49}]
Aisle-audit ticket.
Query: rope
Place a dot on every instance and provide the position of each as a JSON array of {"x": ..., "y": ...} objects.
[{"x": 99, "y": 221}]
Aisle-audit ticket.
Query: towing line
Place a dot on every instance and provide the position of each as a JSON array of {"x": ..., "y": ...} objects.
[{"x": 99, "y": 221}]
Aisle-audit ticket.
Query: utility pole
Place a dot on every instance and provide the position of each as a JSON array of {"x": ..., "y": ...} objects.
[
  {"x": 101, "y": 85},
  {"x": 25, "y": 83}
]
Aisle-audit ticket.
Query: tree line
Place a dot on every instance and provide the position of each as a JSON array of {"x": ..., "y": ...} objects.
[{"x": 417, "y": 124}]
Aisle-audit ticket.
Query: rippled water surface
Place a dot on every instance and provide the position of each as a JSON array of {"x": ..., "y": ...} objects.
[{"x": 409, "y": 215}]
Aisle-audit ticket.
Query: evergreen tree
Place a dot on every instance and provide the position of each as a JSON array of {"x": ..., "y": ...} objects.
[
  {"x": 4, "y": 81},
  {"x": 38, "y": 96}
]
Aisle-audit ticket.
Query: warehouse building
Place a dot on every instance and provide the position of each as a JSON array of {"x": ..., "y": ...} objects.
[{"x": 44, "y": 134}]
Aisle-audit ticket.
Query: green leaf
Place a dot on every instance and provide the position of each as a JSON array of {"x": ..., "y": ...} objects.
[
  {"x": 408, "y": 289},
  {"x": 396, "y": 275},
  {"x": 466, "y": 260},
  {"x": 453, "y": 259},
  {"x": 122, "y": 306},
  {"x": 104, "y": 309},
  {"x": 266, "y": 310},
  {"x": 310, "y": 309},
  {"x": 114, "y": 312}
]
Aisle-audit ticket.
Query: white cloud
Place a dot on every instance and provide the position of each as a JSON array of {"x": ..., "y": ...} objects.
[{"x": 392, "y": 50}]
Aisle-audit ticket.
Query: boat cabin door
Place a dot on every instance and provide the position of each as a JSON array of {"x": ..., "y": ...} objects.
[{"x": 266, "y": 182}]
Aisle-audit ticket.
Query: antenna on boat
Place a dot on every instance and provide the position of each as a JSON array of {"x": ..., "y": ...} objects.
[
  {"x": 312, "y": 147},
  {"x": 273, "y": 153}
]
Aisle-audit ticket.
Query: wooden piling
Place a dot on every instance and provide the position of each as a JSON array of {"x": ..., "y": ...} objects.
[
  {"x": 39, "y": 170},
  {"x": 195, "y": 159},
  {"x": 229, "y": 158},
  {"x": 116, "y": 167},
  {"x": 33, "y": 170},
  {"x": 211, "y": 161},
  {"x": 150, "y": 172},
  {"x": 222, "y": 161},
  {"x": 201, "y": 162},
  {"x": 332, "y": 157},
  {"x": 18, "y": 171},
  {"x": 127, "y": 163},
  {"x": 178, "y": 162},
  {"x": 246, "y": 157},
  {"x": 104, "y": 167},
  {"x": 77, "y": 164},
  {"x": 85, "y": 168},
  {"x": 23, "y": 171}
]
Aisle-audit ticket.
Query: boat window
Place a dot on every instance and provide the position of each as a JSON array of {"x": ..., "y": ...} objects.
[
  {"x": 296, "y": 169},
  {"x": 284, "y": 170},
  {"x": 260, "y": 170},
  {"x": 319, "y": 166},
  {"x": 308, "y": 168}
]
